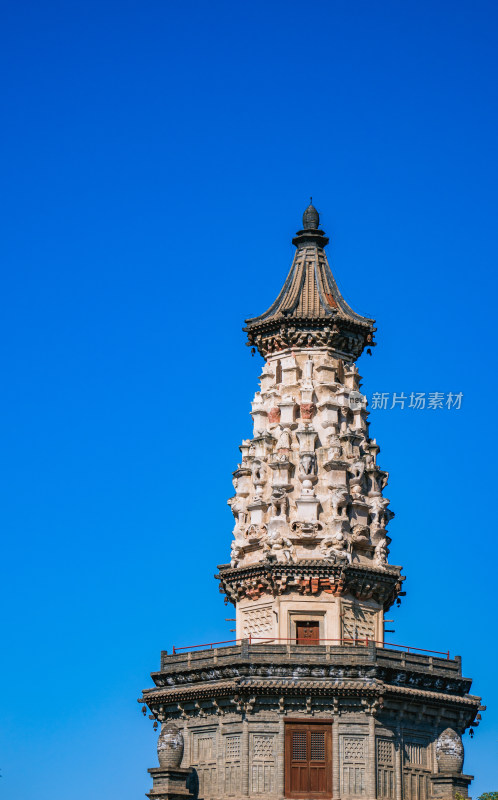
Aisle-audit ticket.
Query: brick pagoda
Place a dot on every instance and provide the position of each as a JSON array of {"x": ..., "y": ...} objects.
[{"x": 309, "y": 702}]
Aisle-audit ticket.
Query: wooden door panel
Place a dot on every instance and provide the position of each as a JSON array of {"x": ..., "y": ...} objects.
[
  {"x": 317, "y": 782},
  {"x": 308, "y": 761},
  {"x": 307, "y": 632}
]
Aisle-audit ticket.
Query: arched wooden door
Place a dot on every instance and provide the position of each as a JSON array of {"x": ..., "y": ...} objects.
[{"x": 308, "y": 760}]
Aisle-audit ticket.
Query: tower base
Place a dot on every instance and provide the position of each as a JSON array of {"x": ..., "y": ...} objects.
[
  {"x": 169, "y": 783},
  {"x": 445, "y": 785},
  {"x": 277, "y": 720}
]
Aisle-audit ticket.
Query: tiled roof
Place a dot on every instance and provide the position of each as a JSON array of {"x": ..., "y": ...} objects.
[{"x": 310, "y": 292}]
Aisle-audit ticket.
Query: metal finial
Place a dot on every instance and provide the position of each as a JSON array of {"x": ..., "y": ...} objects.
[{"x": 311, "y": 219}]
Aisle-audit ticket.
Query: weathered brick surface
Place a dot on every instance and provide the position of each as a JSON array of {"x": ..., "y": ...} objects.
[{"x": 386, "y": 708}]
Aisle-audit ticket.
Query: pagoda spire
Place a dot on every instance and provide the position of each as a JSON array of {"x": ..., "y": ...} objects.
[{"x": 310, "y": 311}]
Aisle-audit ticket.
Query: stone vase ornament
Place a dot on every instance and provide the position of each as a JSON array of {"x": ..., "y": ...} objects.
[
  {"x": 170, "y": 746},
  {"x": 449, "y": 751}
]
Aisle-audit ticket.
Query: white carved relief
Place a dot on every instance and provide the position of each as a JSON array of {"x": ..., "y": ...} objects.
[
  {"x": 358, "y": 622},
  {"x": 279, "y": 503},
  {"x": 380, "y": 553},
  {"x": 279, "y": 548},
  {"x": 257, "y": 621},
  {"x": 323, "y": 474},
  {"x": 336, "y": 547}
]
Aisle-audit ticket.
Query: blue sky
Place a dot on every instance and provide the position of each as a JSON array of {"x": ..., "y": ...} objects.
[{"x": 156, "y": 159}]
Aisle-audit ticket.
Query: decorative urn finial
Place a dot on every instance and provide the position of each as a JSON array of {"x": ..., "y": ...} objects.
[
  {"x": 311, "y": 218},
  {"x": 449, "y": 751},
  {"x": 170, "y": 746}
]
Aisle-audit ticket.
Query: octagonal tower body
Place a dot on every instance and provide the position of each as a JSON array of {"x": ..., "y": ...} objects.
[{"x": 309, "y": 558}]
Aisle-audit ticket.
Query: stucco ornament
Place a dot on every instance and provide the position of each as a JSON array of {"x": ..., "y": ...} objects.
[
  {"x": 449, "y": 751},
  {"x": 336, "y": 547},
  {"x": 309, "y": 470},
  {"x": 380, "y": 554},
  {"x": 236, "y": 553},
  {"x": 170, "y": 745},
  {"x": 279, "y": 548},
  {"x": 279, "y": 502},
  {"x": 284, "y": 440},
  {"x": 258, "y": 473},
  {"x": 307, "y": 466},
  {"x": 339, "y": 500}
]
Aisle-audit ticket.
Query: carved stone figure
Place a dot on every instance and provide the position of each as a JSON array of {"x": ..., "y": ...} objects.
[
  {"x": 344, "y": 411},
  {"x": 335, "y": 449},
  {"x": 258, "y": 472},
  {"x": 236, "y": 553},
  {"x": 255, "y": 532},
  {"x": 284, "y": 440},
  {"x": 306, "y": 529},
  {"x": 360, "y": 536},
  {"x": 356, "y": 479},
  {"x": 279, "y": 502},
  {"x": 380, "y": 553},
  {"x": 378, "y": 505},
  {"x": 238, "y": 511},
  {"x": 307, "y": 466},
  {"x": 274, "y": 415},
  {"x": 369, "y": 461},
  {"x": 336, "y": 547},
  {"x": 307, "y": 411},
  {"x": 280, "y": 549},
  {"x": 339, "y": 499}
]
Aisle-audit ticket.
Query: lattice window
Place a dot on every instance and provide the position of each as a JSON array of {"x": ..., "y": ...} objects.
[
  {"x": 262, "y": 774},
  {"x": 416, "y": 752},
  {"x": 232, "y": 748},
  {"x": 385, "y": 751},
  {"x": 385, "y": 769},
  {"x": 204, "y": 748},
  {"x": 263, "y": 747},
  {"x": 299, "y": 746},
  {"x": 317, "y": 746},
  {"x": 354, "y": 748}
]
